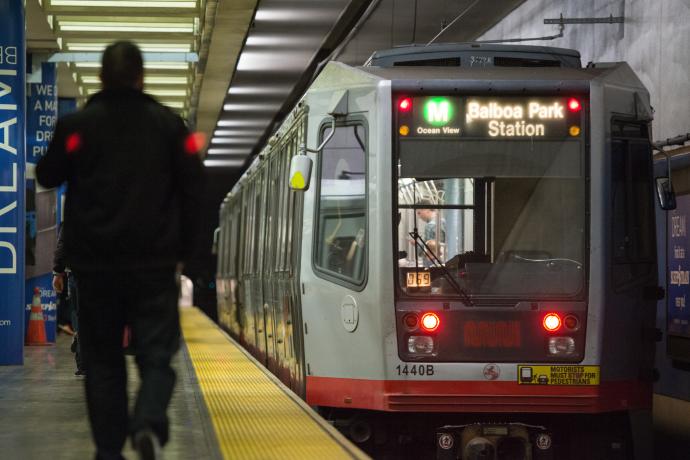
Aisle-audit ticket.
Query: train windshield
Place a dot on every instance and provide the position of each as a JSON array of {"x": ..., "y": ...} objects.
[{"x": 491, "y": 217}]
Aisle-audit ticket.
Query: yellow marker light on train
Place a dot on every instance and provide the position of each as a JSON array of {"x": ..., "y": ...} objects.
[
  {"x": 297, "y": 181},
  {"x": 574, "y": 130},
  {"x": 404, "y": 130}
]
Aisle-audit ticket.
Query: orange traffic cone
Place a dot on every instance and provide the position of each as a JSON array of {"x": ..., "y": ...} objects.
[{"x": 36, "y": 332}]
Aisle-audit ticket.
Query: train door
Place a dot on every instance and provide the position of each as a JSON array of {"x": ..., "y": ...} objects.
[
  {"x": 221, "y": 251},
  {"x": 282, "y": 306},
  {"x": 242, "y": 310},
  {"x": 254, "y": 327},
  {"x": 333, "y": 291},
  {"x": 268, "y": 278},
  {"x": 260, "y": 309},
  {"x": 234, "y": 300},
  {"x": 289, "y": 263}
]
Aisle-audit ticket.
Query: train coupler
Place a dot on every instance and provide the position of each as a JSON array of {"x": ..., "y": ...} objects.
[{"x": 493, "y": 441}]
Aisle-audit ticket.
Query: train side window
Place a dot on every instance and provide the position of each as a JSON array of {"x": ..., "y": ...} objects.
[
  {"x": 231, "y": 251},
  {"x": 242, "y": 233},
  {"x": 259, "y": 219},
  {"x": 225, "y": 252},
  {"x": 237, "y": 225},
  {"x": 271, "y": 214},
  {"x": 284, "y": 201},
  {"x": 230, "y": 242},
  {"x": 220, "y": 249},
  {"x": 341, "y": 222},
  {"x": 288, "y": 200},
  {"x": 632, "y": 203},
  {"x": 251, "y": 223}
]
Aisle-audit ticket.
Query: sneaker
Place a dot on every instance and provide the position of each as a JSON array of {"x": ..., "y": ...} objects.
[
  {"x": 80, "y": 372},
  {"x": 147, "y": 445}
]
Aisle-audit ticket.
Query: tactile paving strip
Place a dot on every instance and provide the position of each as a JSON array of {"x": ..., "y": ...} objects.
[{"x": 253, "y": 414}]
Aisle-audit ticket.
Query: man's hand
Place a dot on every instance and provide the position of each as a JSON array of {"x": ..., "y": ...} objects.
[{"x": 59, "y": 282}]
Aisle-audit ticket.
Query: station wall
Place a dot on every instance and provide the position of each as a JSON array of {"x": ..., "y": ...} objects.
[{"x": 653, "y": 40}]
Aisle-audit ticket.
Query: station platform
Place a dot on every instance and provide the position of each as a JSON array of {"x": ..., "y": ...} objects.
[{"x": 225, "y": 406}]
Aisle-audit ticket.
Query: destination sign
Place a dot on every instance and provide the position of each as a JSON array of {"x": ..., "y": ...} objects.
[{"x": 490, "y": 117}]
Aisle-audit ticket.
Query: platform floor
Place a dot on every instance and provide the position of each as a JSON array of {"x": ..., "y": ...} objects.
[
  {"x": 224, "y": 406},
  {"x": 43, "y": 413}
]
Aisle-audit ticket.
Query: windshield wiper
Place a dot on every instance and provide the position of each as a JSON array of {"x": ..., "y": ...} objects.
[
  {"x": 550, "y": 260},
  {"x": 437, "y": 262}
]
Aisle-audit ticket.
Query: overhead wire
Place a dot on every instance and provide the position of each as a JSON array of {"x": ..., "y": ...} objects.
[{"x": 457, "y": 18}]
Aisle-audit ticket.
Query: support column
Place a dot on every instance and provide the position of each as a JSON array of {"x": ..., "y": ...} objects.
[{"x": 12, "y": 188}]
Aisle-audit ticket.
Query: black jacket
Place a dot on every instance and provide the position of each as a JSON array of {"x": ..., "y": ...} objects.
[{"x": 134, "y": 180}]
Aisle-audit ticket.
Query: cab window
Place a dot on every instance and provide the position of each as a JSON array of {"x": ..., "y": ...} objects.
[{"x": 341, "y": 224}]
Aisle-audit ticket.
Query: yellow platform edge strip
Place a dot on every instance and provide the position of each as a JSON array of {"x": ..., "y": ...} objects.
[{"x": 253, "y": 414}]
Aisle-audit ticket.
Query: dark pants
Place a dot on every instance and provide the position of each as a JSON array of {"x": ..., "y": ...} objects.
[
  {"x": 73, "y": 299},
  {"x": 64, "y": 314},
  {"x": 148, "y": 302}
]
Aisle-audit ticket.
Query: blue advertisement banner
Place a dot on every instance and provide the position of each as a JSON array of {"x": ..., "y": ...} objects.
[
  {"x": 678, "y": 260},
  {"x": 41, "y": 113},
  {"x": 12, "y": 165}
]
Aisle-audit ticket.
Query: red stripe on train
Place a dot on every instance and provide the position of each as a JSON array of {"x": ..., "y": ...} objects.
[{"x": 475, "y": 396}]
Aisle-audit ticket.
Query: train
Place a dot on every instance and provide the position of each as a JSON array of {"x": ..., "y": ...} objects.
[{"x": 452, "y": 249}]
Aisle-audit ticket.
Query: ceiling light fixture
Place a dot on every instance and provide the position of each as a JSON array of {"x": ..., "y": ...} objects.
[
  {"x": 238, "y": 133},
  {"x": 266, "y": 107},
  {"x": 152, "y": 80},
  {"x": 143, "y": 27},
  {"x": 231, "y": 140},
  {"x": 124, "y": 3},
  {"x": 291, "y": 61},
  {"x": 301, "y": 15},
  {"x": 166, "y": 92},
  {"x": 303, "y": 41},
  {"x": 252, "y": 123},
  {"x": 147, "y": 65},
  {"x": 260, "y": 90},
  {"x": 224, "y": 163},
  {"x": 144, "y": 47},
  {"x": 227, "y": 151}
]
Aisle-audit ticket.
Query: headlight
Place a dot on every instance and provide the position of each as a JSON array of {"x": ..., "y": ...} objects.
[
  {"x": 561, "y": 346},
  {"x": 420, "y": 344}
]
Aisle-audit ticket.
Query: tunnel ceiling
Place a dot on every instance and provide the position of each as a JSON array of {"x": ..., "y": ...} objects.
[{"x": 288, "y": 37}]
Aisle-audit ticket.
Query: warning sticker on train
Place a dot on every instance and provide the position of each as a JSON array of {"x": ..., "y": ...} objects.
[{"x": 558, "y": 375}]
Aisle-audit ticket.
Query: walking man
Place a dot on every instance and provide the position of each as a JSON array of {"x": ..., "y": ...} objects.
[{"x": 134, "y": 187}]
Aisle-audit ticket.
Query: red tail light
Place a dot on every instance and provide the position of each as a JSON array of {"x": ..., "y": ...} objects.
[
  {"x": 574, "y": 105},
  {"x": 571, "y": 322},
  {"x": 552, "y": 322},
  {"x": 410, "y": 320},
  {"x": 430, "y": 322},
  {"x": 405, "y": 104}
]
